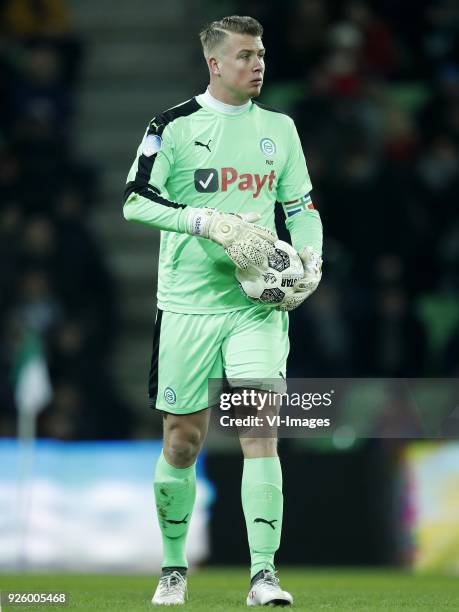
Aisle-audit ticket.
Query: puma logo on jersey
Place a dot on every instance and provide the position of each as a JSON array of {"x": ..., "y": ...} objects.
[
  {"x": 210, "y": 180},
  {"x": 200, "y": 144}
]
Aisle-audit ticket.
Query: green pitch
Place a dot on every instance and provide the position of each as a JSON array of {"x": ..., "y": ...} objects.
[{"x": 226, "y": 590}]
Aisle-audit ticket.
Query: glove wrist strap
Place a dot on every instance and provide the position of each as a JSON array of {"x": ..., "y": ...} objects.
[{"x": 198, "y": 222}]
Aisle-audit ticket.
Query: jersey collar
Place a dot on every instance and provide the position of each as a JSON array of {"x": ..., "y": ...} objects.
[{"x": 227, "y": 109}]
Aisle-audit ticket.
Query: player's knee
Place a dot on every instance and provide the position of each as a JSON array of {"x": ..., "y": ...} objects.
[
  {"x": 258, "y": 447},
  {"x": 182, "y": 449},
  {"x": 180, "y": 453}
]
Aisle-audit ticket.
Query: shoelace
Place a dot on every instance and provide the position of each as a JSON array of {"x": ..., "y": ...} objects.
[
  {"x": 270, "y": 579},
  {"x": 171, "y": 584}
]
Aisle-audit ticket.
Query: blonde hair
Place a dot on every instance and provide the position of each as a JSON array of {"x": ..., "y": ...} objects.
[{"x": 216, "y": 32}]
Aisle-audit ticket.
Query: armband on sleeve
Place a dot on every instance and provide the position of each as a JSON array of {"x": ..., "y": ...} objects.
[{"x": 304, "y": 223}]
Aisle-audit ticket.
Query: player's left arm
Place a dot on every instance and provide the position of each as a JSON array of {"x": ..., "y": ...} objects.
[{"x": 302, "y": 220}]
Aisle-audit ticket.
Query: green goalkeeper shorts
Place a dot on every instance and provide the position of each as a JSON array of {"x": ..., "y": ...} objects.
[{"x": 249, "y": 345}]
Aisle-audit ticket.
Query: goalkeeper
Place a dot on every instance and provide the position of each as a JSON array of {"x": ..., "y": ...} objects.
[{"x": 208, "y": 173}]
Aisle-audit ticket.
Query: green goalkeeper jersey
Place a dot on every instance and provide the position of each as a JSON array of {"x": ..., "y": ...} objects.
[{"x": 197, "y": 155}]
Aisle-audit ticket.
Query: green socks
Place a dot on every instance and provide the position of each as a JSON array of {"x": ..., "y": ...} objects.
[
  {"x": 262, "y": 502},
  {"x": 175, "y": 492}
]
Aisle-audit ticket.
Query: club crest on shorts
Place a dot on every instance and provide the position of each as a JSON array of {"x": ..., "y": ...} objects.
[
  {"x": 169, "y": 395},
  {"x": 151, "y": 144},
  {"x": 268, "y": 147}
]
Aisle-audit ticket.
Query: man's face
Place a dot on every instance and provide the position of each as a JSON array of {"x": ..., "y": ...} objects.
[{"x": 241, "y": 65}]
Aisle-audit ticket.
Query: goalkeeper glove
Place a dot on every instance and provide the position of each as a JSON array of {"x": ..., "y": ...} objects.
[
  {"x": 304, "y": 287},
  {"x": 245, "y": 244}
]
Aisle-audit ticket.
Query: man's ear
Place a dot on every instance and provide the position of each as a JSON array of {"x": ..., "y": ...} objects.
[{"x": 214, "y": 66}]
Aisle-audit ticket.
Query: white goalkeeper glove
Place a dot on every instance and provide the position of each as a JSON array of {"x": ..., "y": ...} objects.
[
  {"x": 304, "y": 287},
  {"x": 245, "y": 244}
]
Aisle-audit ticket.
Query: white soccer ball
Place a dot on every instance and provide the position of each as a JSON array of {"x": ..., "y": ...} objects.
[{"x": 272, "y": 285}]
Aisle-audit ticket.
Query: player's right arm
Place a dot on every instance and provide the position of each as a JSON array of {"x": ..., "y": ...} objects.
[
  {"x": 145, "y": 197},
  {"x": 146, "y": 201}
]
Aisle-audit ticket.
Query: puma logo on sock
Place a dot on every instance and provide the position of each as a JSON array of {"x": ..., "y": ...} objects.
[
  {"x": 262, "y": 520},
  {"x": 172, "y": 522}
]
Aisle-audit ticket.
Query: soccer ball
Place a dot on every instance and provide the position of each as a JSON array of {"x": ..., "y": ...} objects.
[{"x": 272, "y": 285}]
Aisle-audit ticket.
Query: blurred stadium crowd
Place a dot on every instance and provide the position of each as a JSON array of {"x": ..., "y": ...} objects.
[
  {"x": 54, "y": 285},
  {"x": 374, "y": 90}
]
